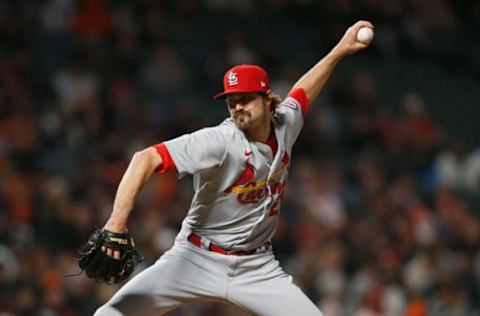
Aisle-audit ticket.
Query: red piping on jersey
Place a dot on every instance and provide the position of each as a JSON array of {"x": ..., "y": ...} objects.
[
  {"x": 273, "y": 143},
  {"x": 300, "y": 95},
  {"x": 285, "y": 158},
  {"x": 167, "y": 162}
]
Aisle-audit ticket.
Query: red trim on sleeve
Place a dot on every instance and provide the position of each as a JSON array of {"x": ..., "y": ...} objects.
[
  {"x": 167, "y": 162},
  {"x": 300, "y": 95}
]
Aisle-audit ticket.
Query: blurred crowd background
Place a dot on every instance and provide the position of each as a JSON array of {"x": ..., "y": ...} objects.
[{"x": 381, "y": 211}]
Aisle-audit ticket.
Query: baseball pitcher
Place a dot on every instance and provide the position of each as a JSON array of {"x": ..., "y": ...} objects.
[{"x": 223, "y": 251}]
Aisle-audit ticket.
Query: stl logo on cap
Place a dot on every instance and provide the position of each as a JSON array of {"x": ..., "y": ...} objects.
[
  {"x": 244, "y": 79},
  {"x": 232, "y": 79}
]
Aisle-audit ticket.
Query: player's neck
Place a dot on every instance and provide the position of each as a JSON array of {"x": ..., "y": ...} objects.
[{"x": 260, "y": 134}]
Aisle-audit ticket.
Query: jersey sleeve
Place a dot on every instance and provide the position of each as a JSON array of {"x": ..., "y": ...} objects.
[
  {"x": 292, "y": 111},
  {"x": 299, "y": 95},
  {"x": 167, "y": 162},
  {"x": 197, "y": 152}
]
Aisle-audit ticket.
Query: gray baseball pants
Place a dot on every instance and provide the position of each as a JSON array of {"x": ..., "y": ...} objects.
[{"x": 189, "y": 274}]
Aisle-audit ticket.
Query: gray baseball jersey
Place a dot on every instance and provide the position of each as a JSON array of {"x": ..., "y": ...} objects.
[
  {"x": 238, "y": 183},
  {"x": 238, "y": 189}
]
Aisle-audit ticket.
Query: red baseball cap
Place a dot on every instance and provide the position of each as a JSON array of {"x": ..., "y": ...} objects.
[{"x": 244, "y": 79}]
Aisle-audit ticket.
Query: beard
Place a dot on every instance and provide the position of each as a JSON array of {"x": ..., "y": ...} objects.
[
  {"x": 249, "y": 120},
  {"x": 243, "y": 121}
]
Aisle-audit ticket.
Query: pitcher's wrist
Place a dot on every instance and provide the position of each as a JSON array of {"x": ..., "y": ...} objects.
[{"x": 117, "y": 225}]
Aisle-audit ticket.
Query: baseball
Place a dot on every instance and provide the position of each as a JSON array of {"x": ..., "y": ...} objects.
[{"x": 365, "y": 35}]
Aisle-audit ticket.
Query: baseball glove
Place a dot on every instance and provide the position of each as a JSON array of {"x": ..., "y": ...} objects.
[{"x": 102, "y": 267}]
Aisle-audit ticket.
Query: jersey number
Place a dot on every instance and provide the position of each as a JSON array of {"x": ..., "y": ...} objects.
[
  {"x": 277, "y": 188},
  {"x": 274, "y": 208}
]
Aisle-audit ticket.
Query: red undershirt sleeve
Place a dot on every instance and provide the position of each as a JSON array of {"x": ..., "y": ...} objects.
[
  {"x": 167, "y": 162},
  {"x": 300, "y": 95}
]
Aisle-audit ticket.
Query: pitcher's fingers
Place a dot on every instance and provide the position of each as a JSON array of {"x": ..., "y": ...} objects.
[
  {"x": 116, "y": 254},
  {"x": 363, "y": 23},
  {"x": 110, "y": 252}
]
